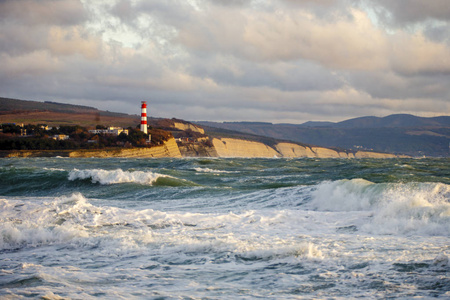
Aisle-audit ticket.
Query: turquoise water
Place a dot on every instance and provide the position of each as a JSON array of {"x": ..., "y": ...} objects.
[{"x": 224, "y": 228}]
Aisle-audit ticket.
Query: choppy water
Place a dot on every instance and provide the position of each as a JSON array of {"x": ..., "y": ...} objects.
[{"x": 224, "y": 228}]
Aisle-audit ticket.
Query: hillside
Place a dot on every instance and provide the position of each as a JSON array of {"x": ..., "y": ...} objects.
[
  {"x": 54, "y": 114},
  {"x": 401, "y": 134}
]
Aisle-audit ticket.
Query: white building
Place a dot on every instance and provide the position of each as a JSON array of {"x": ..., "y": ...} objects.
[{"x": 110, "y": 130}]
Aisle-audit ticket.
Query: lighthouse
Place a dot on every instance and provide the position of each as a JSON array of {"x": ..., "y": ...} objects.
[{"x": 144, "y": 117}]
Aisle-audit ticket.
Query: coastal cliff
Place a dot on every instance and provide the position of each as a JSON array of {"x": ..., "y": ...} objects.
[
  {"x": 188, "y": 126},
  {"x": 197, "y": 150},
  {"x": 230, "y": 147},
  {"x": 167, "y": 149},
  {"x": 221, "y": 147}
]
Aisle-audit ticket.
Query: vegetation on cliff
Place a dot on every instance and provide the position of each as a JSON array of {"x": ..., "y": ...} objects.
[{"x": 36, "y": 137}]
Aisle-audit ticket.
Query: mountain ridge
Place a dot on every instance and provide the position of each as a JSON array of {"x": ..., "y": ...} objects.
[{"x": 398, "y": 133}]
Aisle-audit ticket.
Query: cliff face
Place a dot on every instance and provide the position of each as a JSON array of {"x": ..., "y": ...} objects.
[
  {"x": 197, "y": 150},
  {"x": 223, "y": 147},
  {"x": 168, "y": 149},
  {"x": 188, "y": 126},
  {"x": 228, "y": 147},
  {"x": 294, "y": 150}
]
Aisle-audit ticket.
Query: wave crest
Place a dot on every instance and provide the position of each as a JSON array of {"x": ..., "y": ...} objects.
[
  {"x": 396, "y": 207},
  {"x": 107, "y": 177}
]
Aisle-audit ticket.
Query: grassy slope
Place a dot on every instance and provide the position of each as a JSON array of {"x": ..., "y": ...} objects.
[{"x": 54, "y": 114}]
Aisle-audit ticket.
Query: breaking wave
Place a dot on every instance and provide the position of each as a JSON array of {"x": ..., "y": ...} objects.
[
  {"x": 106, "y": 177},
  {"x": 74, "y": 222},
  {"x": 396, "y": 207}
]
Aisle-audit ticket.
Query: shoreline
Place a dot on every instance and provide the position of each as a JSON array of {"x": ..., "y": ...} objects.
[
  {"x": 222, "y": 148},
  {"x": 168, "y": 149}
]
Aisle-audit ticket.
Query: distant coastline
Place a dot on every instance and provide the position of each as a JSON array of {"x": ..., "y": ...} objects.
[
  {"x": 225, "y": 147},
  {"x": 80, "y": 131}
]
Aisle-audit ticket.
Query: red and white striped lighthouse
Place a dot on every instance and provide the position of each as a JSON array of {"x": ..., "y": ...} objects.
[{"x": 144, "y": 117}]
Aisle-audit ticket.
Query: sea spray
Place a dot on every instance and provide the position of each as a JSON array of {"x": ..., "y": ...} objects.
[{"x": 115, "y": 176}]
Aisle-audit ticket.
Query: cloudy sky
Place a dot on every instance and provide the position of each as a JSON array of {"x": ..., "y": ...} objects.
[{"x": 230, "y": 60}]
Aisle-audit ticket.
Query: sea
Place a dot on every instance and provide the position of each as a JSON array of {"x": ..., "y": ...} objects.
[{"x": 224, "y": 228}]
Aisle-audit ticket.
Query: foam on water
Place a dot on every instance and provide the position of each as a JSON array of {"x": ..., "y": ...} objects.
[
  {"x": 208, "y": 170},
  {"x": 397, "y": 207},
  {"x": 75, "y": 221},
  {"x": 115, "y": 176}
]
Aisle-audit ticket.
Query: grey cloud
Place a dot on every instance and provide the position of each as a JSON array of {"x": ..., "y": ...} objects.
[
  {"x": 295, "y": 76},
  {"x": 403, "y": 12},
  {"x": 124, "y": 10},
  {"x": 395, "y": 86},
  {"x": 44, "y": 12},
  {"x": 231, "y": 2},
  {"x": 47, "y": 25},
  {"x": 16, "y": 38},
  {"x": 288, "y": 36},
  {"x": 439, "y": 33}
]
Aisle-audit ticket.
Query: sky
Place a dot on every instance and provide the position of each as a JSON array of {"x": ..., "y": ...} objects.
[{"x": 280, "y": 61}]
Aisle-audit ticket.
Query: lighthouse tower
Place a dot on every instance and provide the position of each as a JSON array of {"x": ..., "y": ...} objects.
[{"x": 144, "y": 117}]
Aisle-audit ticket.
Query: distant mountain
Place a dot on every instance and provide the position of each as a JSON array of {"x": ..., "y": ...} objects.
[
  {"x": 399, "y": 120},
  {"x": 400, "y": 134},
  {"x": 315, "y": 124}
]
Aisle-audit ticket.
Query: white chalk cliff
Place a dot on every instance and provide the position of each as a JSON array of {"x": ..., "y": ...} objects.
[{"x": 230, "y": 147}]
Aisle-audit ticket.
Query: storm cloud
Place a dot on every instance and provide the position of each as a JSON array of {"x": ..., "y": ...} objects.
[{"x": 276, "y": 61}]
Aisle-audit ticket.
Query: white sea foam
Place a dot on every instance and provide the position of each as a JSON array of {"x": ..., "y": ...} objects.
[
  {"x": 115, "y": 176},
  {"x": 73, "y": 220},
  {"x": 130, "y": 245},
  {"x": 208, "y": 170},
  {"x": 54, "y": 169},
  {"x": 396, "y": 207},
  {"x": 35, "y": 223}
]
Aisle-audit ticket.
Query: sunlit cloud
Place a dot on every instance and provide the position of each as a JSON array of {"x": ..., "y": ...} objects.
[{"x": 278, "y": 60}]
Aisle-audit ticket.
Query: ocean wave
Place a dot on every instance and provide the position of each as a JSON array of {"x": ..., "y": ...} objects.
[
  {"x": 74, "y": 221},
  {"x": 36, "y": 223},
  {"x": 106, "y": 177},
  {"x": 208, "y": 170},
  {"x": 54, "y": 169},
  {"x": 397, "y": 207}
]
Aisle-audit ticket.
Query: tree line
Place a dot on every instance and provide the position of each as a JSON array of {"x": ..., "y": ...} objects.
[{"x": 12, "y": 137}]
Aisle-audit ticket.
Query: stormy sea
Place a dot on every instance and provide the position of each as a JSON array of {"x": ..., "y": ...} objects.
[{"x": 230, "y": 228}]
